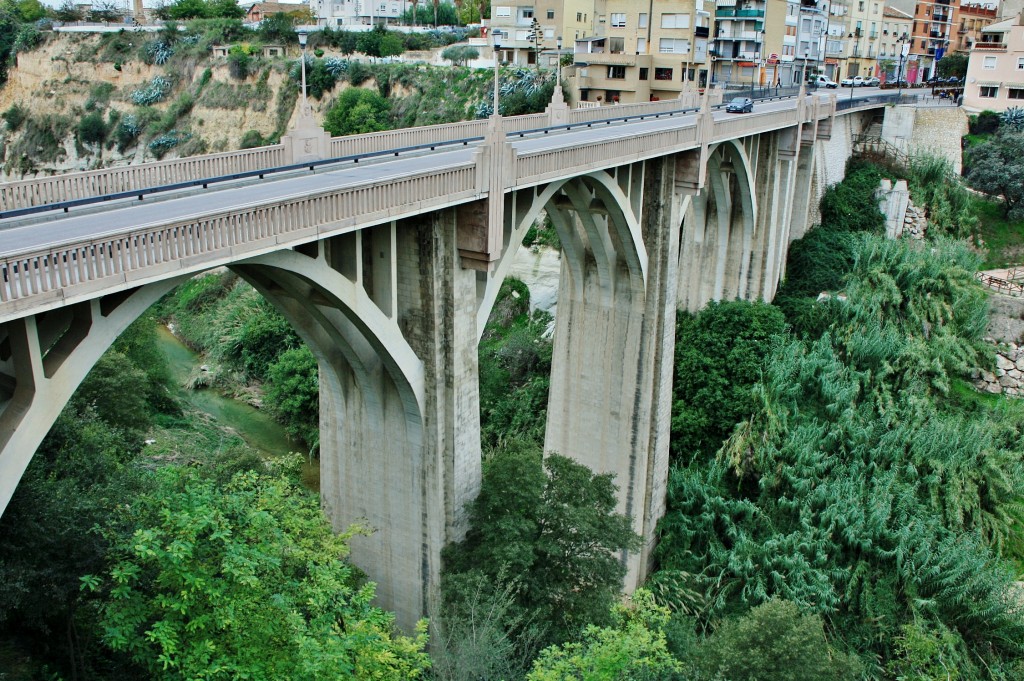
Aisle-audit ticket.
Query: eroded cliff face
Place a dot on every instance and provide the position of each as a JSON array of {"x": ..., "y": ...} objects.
[{"x": 72, "y": 76}]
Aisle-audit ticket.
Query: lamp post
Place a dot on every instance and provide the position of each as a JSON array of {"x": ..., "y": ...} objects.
[
  {"x": 807, "y": 55},
  {"x": 303, "y": 36},
  {"x": 757, "y": 58},
  {"x": 899, "y": 69},
  {"x": 497, "y": 76}
]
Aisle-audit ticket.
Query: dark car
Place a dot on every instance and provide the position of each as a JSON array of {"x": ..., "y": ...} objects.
[{"x": 740, "y": 105}]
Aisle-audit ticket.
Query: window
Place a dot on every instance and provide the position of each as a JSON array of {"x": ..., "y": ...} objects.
[
  {"x": 642, "y": 23},
  {"x": 549, "y": 33},
  {"x": 618, "y": 20},
  {"x": 579, "y": 16},
  {"x": 1015, "y": 93},
  {"x": 551, "y": 14},
  {"x": 662, "y": 73},
  {"x": 616, "y": 72},
  {"x": 675, "y": 21},
  {"x": 502, "y": 11},
  {"x": 616, "y": 45},
  {"x": 527, "y": 13},
  {"x": 674, "y": 46},
  {"x": 989, "y": 63},
  {"x": 643, "y": 73},
  {"x": 641, "y": 45},
  {"x": 989, "y": 90},
  {"x": 1020, "y": 63}
]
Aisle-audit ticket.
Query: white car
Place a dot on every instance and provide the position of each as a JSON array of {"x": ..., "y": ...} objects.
[
  {"x": 822, "y": 81},
  {"x": 856, "y": 81}
]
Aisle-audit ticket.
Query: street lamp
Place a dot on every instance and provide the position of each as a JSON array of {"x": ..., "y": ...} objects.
[
  {"x": 303, "y": 36},
  {"x": 757, "y": 57},
  {"x": 899, "y": 69},
  {"x": 497, "y": 76},
  {"x": 807, "y": 55}
]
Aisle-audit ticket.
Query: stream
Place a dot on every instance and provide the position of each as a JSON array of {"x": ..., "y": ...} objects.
[{"x": 259, "y": 430}]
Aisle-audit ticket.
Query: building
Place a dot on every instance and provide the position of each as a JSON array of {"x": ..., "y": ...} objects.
[
  {"x": 742, "y": 30},
  {"x": 864, "y": 37},
  {"x": 635, "y": 56},
  {"x": 933, "y": 34},
  {"x": 973, "y": 18},
  {"x": 261, "y": 10},
  {"x": 894, "y": 45},
  {"x": 995, "y": 71},
  {"x": 526, "y": 30},
  {"x": 335, "y": 13},
  {"x": 803, "y": 45}
]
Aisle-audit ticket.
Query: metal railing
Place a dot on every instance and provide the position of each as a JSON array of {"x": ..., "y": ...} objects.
[{"x": 1000, "y": 285}]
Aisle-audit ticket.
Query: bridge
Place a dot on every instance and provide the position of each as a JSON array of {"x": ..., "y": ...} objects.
[{"x": 386, "y": 253}]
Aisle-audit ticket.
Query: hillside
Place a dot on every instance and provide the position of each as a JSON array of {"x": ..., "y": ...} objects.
[{"x": 82, "y": 101}]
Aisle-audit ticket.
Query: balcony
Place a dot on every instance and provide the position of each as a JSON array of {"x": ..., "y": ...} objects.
[
  {"x": 755, "y": 13},
  {"x": 990, "y": 46},
  {"x": 873, "y": 35},
  {"x": 725, "y": 12}
]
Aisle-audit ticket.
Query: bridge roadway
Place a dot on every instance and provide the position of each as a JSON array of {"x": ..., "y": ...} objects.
[{"x": 98, "y": 221}]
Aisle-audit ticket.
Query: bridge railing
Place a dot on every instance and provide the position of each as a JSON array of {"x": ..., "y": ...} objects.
[
  {"x": 71, "y": 186},
  {"x": 355, "y": 145},
  {"x": 60, "y": 272}
]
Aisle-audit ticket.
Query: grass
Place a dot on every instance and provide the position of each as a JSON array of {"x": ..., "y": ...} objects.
[{"x": 1003, "y": 238}]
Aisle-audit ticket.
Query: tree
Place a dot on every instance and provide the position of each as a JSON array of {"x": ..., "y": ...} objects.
[
  {"x": 278, "y": 28},
  {"x": 549, "y": 524},
  {"x": 997, "y": 169},
  {"x": 67, "y": 12},
  {"x": 244, "y": 580},
  {"x": 458, "y": 55},
  {"x": 357, "y": 111},
  {"x": 633, "y": 647},
  {"x": 31, "y": 10},
  {"x": 105, "y": 12},
  {"x": 952, "y": 64},
  {"x": 775, "y": 642}
]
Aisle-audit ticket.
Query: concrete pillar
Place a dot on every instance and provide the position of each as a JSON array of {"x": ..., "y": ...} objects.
[
  {"x": 801, "y": 194},
  {"x": 611, "y": 377},
  {"x": 391, "y": 318}
]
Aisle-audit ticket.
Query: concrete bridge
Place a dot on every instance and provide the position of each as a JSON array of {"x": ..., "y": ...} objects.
[{"x": 388, "y": 264}]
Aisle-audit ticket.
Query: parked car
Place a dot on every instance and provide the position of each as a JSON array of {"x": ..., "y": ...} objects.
[
  {"x": 856, "y": 81},
  {"x": 872, "y": 82},
  {"x": 740, "y": 105},
  {"x": 823, "y": 81}
]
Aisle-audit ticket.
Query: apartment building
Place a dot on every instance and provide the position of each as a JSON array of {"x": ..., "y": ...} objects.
[
  {"x": 803, "y": 45},
  {"x": 933, "y": 34},
  {"x": 864, "y": 37},
  {"x": 973, "y": 18},
  {"x": 896, "y": 28},
  {"x": 995, "y": 71},
  {"x": 644, "y": 51},
  {"x": 335, "y": 13},
  {"x": 746, "y": 34},
  {"x": 523, "y": 31}
]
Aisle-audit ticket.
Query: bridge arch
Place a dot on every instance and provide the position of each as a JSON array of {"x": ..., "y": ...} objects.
[
  {"x": 595, "y": 222},
  {"x": 717, "y": 231}
]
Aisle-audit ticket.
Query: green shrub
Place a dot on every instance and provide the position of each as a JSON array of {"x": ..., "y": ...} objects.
[
  {"x": 239, "y": 62},
  {"x": 357, "y": 111},
  {"x": 985, "y": 123},
  {"x": 850, "y": 205},
  {"x": 15, "y": 116},
  {"x": 92, "y": 129},
  {"x": 251, "y": 139},
  {"x": 152, "y": 92},
  {"x": 775, "y": 642}
]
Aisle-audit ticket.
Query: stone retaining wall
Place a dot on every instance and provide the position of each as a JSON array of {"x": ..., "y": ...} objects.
[{"x": 1008, "y": 378}]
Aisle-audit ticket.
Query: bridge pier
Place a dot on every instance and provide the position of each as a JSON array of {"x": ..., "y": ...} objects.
[
  {"x": 390, "y": 315},
  {"x": 611, "y": 377}
]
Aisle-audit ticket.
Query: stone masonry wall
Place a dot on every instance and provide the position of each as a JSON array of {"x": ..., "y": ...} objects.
[{"x": 1008, "y": 378}]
